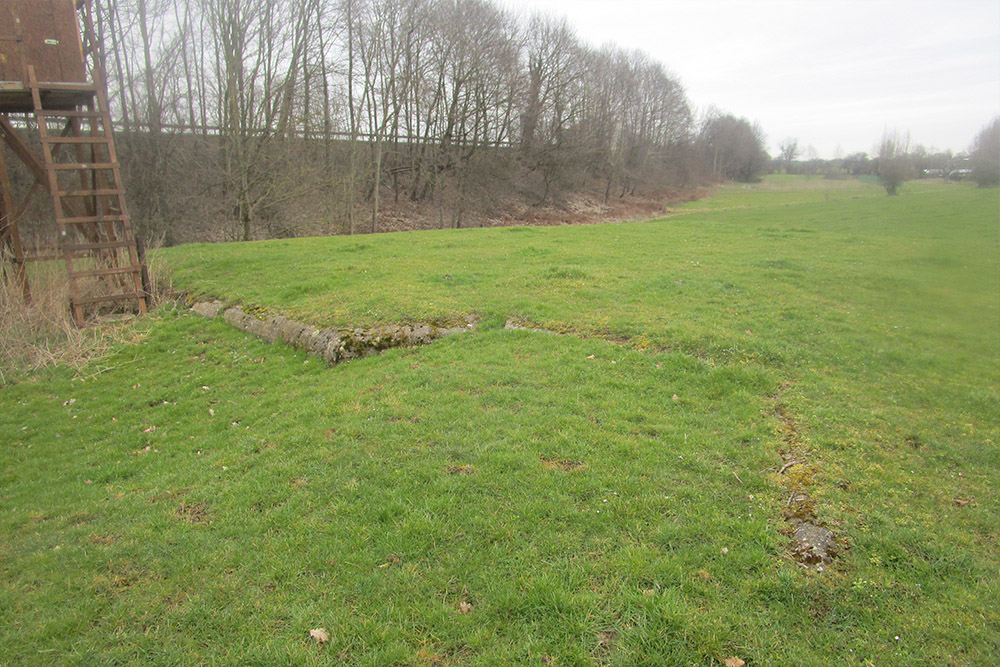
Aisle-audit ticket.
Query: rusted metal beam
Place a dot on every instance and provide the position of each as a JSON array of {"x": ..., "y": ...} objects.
[
  {"x": 23, "y": 151},
  {"x": 30, "y": 159},
  {"x": 8, "y": 223}
]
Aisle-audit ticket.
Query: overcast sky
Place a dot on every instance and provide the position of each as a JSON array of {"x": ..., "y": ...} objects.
[{"x": 834, "y": 75}]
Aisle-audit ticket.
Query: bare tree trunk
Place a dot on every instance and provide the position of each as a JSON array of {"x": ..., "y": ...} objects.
[
  {"x": 185, "y": 24},
  {"x": 352, "y": 110}
]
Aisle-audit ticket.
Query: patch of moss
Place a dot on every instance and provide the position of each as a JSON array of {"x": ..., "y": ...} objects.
[{"x": 260, "y": 312}]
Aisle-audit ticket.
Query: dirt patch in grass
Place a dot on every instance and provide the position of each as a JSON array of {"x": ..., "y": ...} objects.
[
  {"x": 605, "y": 646},
  {"x": 166, "y": 494},
  {"x": 193, "y": 513},
  {"x": 565, "y": 465},
  {"x": 120, "y": 577}
]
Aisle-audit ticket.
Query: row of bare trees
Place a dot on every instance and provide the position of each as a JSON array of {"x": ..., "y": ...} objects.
[
  {"x": 250, "y": 118},
  {"x": 734, "y": 147},
  {"x": 895, "y": 162}
]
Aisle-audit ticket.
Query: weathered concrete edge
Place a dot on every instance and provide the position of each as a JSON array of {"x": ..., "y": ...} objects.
[
  {"x": 517, "y": 325},
  {"x": 334, "y": 346}
]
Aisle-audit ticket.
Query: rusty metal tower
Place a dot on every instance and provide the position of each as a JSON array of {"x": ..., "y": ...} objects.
[{"x": 47, "y": 49}]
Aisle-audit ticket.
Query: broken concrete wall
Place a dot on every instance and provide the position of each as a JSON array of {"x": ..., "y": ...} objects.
[{"x": 332, "y": 345}]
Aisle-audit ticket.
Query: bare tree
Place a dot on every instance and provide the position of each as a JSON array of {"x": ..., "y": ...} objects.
[
  {"x": 893, "y": 160},
  {"x": 733, "y": 147},
  {"x": 448, "y": 103},
  {"x": 985, "y": 155},
  {"x": 552, "y": 103},
  {"x": 789, "y": 151}
]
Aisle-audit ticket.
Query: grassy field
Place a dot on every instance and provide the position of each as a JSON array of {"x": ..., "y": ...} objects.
[{"x": 610, "y": 495}]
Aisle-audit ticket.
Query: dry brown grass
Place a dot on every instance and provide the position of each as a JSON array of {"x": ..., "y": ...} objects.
[{"x": 39, "y": 333}]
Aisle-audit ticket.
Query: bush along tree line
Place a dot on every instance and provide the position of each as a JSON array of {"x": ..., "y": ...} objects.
[
  {"x": 893, "y": 161},
  {"x": 242, "y": 119}
]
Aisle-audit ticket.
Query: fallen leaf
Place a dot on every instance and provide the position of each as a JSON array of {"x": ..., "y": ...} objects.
[
  {"x": 961, "y": 502},
  {"x": 464, "y": 607},
  {"x": 734, "y": 662},
  {"x": 319, "y": 634}
]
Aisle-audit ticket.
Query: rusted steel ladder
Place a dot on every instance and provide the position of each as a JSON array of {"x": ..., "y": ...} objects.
[{"x": 92, "y": 216}]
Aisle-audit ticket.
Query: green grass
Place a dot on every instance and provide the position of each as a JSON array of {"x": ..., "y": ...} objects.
[
  {"x": 786, "y": 190},
  {"x": 375, "y": 498}
]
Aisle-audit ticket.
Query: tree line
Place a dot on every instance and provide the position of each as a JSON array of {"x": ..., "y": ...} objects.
[
  {"x": 245, "y": 119},
  {"x": 894, "y": 161}
]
